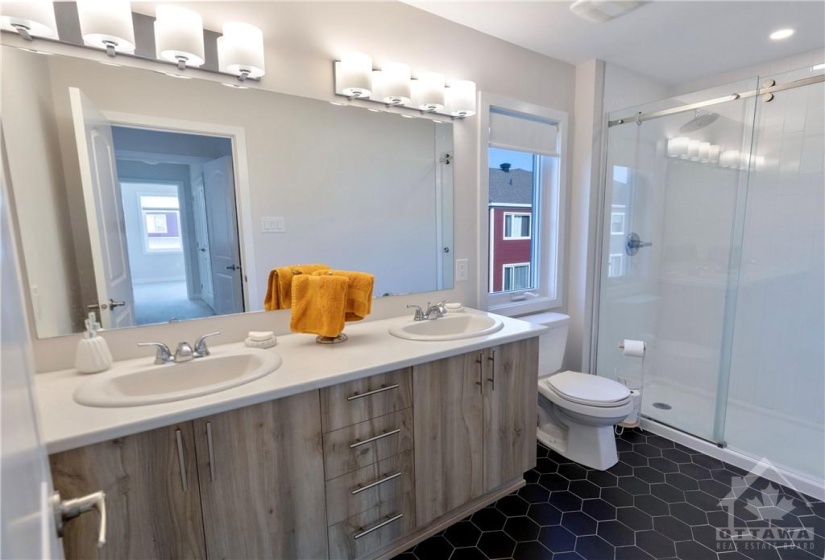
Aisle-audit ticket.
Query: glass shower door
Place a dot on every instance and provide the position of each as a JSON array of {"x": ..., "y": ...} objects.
[
  {"x": 673, "y": 216},
  {"x": 777, "y": 372}
]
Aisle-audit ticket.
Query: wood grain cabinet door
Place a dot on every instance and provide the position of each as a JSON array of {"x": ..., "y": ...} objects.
[
  {"x": 510, "y": 411},
  {"x": 152, "y": 500},
  {"x": 261, "y": 472},
  {"x": 448, "y": 434}
]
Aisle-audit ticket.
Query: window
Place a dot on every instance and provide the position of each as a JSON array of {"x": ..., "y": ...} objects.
[
  {"x": 161, "y": 223},
  {"x": 516, "y": 276},
  {"x": 517, "y": 226},
  {"x": 522, "y": 166}
]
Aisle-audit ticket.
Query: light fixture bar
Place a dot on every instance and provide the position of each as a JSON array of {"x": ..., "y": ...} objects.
[
  {"x": 418, "y": 96},
  {"x": 65, "y": 19}
]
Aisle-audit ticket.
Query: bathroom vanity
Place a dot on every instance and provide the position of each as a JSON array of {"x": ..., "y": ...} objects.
[{"x": 356, "y": 450}]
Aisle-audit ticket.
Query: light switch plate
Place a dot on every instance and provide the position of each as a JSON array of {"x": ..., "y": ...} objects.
[{"x": 273, "y": 224}]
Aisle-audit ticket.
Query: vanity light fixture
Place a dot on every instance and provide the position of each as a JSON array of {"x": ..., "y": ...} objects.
[
  {"x": 394, "y": 86},
  {"x": 241, "y": 51},
  {"x": 430, "y": 91},
  {"x": 461, "y": 99},
  {"x": 396, "y": 83},
  {"x": 179, "y": 36},
  {"x": 107, "y": 24},
  {"x": 29, "y": 19},
  {"x": 356, "y": 75}
]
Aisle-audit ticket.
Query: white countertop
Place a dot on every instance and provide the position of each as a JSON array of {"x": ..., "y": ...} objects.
[{"x": 306, "y": 366}]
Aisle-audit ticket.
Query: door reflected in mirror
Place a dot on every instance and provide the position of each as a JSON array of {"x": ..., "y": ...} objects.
[{"x": 177, "y": 197}]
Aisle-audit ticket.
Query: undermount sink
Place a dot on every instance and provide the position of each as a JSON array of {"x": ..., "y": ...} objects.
[
  {"x": 453, "y": 326},
  {"x": 152, "y": 384}
]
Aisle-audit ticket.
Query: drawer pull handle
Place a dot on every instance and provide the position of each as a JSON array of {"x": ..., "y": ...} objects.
[
  {"x": 376, "y": 527},
  {"x": 374, "y": 438},
  {"x": 181, "y": 461},
  {"x": 368, "y": 393},
  {"x": 376, "y": 483}
]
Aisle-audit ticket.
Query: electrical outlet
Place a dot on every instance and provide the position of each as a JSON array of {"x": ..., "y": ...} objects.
[{"x": 461, "y": 271}]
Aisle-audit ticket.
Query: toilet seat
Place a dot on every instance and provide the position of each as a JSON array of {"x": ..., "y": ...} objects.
[{"x": 588, "y": 390}]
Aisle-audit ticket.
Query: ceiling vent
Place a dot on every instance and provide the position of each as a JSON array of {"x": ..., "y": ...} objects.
[{"x": 600, "y": 11}]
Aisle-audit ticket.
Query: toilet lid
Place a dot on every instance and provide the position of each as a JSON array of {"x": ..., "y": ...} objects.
[{"x": 588, "y": 389}]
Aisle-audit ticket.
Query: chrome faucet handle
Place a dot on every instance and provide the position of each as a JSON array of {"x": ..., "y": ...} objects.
[
  {"x": 163, "y": 354},
  {"x": 201, "y": 349},
  {"x": 184, "y": 352},
  {"x": 419, "y": 313}
]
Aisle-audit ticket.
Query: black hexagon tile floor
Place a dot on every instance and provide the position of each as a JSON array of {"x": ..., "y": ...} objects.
[{"x": 662, "y": 500}]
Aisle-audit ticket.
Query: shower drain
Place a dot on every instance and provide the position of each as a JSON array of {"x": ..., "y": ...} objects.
[{"x": 662, "y": 406}]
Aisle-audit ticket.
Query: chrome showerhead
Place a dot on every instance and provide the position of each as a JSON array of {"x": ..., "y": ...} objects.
[{"x": 700, "y": 120}]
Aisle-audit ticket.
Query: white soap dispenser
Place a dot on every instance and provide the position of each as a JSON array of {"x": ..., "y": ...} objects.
[{"x": 93, "y": 354}]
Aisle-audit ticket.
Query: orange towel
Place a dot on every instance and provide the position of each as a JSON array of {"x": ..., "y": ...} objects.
[
  {"x": 318, "y": 304},
  {"x": 279, "y": 284},
  {"x": 359, "y": 294}
]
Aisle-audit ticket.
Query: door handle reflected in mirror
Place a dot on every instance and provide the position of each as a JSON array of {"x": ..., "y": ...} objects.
[{"x": 111, "y": 305}]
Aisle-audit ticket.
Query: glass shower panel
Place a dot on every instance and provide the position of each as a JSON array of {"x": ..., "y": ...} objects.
[
  {"x": 675, "y": 182},
  {"x": 777, "y": 376}
]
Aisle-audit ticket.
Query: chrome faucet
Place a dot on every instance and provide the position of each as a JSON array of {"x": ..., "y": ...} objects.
[
  {"x": 436, "y": 311},
  {"x": 433, "y": 311},
  {"x": 184, "y": 352}
]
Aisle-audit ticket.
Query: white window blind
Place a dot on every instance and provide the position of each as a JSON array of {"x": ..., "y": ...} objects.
[{"x": 509, "y": 131}]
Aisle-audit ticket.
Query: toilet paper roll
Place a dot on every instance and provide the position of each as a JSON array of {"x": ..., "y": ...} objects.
[{"x": 634, "y": 348}]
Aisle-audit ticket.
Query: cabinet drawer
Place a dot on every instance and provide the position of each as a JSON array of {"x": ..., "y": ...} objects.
[
  {"x": 349, "y": 403},
  {"x": 367, "y": 532},
  {"x": 365, "y": 443},
  {"x": 365, "y": 488}
]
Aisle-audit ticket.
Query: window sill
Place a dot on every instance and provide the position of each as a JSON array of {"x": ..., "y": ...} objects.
[{"x": 516, "y": 308}]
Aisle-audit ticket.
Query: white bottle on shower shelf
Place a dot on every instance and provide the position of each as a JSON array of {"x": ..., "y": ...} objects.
[{"x": 93, "y": 354}]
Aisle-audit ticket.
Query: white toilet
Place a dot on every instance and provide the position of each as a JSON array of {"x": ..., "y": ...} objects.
[{"x": 577, "y": 411}]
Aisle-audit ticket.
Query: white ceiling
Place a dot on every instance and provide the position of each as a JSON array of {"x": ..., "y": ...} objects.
[{"x": 672, "y": 42}]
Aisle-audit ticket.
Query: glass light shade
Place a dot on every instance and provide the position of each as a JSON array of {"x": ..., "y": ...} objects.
[
  {"x": 678, "y": 147},
  {"x": 704, "y": 151},
  {"x": 396, "y": 79},
  {"x": 713, "y": 153},
  {"x": 107, "y": 23},
  {"x": 241, "y": 50},
  {"x": 461, "y": 98},
  {"x": 355, "y": 75},
  {"x": 179, "y": 35},
  {"x": 377, "y": 86},
  {"x": 693, "y": 150},
  {"x": 430, "y": 91},
  {"x": 37, "y": 18}
]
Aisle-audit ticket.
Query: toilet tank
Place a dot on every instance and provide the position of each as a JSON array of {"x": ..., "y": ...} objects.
[{"x": 552, "y": 343}]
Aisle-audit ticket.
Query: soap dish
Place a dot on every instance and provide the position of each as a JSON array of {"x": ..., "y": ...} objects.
[
  {"x": 454, "y": 308},
  {"x": 261, "y": 343}
]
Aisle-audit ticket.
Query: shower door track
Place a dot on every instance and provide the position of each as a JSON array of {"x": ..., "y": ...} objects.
[{"x": 732, "y": 97}]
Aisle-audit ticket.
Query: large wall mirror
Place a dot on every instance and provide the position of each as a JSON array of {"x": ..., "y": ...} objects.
[{"x": 152, "y": 199}]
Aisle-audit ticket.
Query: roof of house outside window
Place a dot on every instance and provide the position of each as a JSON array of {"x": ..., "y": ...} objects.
[{"x": 513, "y": 187}]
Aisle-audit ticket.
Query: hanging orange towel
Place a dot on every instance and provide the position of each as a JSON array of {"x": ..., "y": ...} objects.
[
  {"x": 279, "y": 284},
  {"x": 318, "y": 304},
  {"x": 359, "y": 294}
]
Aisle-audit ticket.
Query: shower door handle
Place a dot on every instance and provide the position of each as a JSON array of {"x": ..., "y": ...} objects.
[{"x": 633, "y": 243}]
